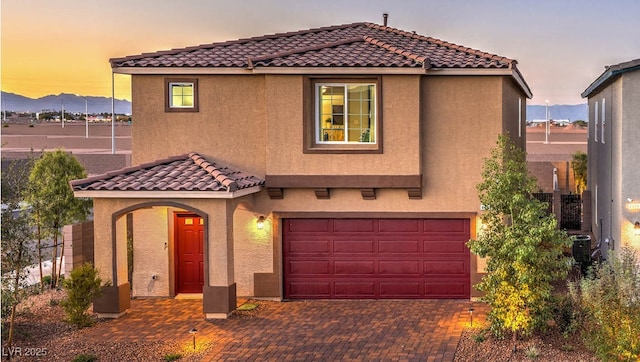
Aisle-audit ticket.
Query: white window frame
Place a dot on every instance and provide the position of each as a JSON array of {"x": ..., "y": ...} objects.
[
  {"x": 182, "y": 84},
  {"x": 597, "y": 115},
  {"x": 603, "y": 119},
  {"x": 519, "y": 117},
  {"x": 317, "y": 121},
  {"x": 170, "y": 83}
]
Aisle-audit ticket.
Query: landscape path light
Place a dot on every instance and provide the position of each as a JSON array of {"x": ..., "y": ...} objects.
[{"x": 193, "y": 332}]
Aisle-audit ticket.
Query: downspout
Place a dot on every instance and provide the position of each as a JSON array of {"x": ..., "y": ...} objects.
[{"x": 113, "y": 114}]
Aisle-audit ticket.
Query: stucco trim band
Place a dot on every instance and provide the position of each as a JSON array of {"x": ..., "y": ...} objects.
[{"x": 343, "y": 181}]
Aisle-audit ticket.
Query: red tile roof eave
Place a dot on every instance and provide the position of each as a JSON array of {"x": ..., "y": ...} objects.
[
  {"x": 117, "y": 62},
  {"x": 227, "y": 178},
  {"x": 149, "y": 194},
  {"x": 231, "y": 42},
  {"x": 126, "y": 170}
]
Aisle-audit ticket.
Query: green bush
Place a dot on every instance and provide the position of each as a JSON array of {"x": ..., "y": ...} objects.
[
  {"x": 85, "y": 358},
  {"x": 172, "y": 357},
  {"x": 609, "y": 304},
  {"x": 82, "y": 287}
]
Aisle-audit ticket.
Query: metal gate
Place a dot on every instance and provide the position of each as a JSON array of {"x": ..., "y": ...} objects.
[{"x": 571, "y": 210}]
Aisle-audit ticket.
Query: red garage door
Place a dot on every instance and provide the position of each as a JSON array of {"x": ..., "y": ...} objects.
[{"x": 376, "y": 258}]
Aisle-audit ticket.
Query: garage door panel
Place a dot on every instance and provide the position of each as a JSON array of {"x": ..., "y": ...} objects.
[
  {"x": 309, "y": 246},
  {"x": 400, "y": 289},
  {"x": 444, "y": 246},
  {"x": 355, "y": 289},
  {"x": 447, "y": 288},
  {"x": 354, "y": 225},
  {"x": 310, "y": 289},
  {"x": 399, "y": 226},
  {"x": 398, "y": 246},
  {"x": 309, "y": 225},
  {"x": 354, "y": 267},
  {"x": 309, "y": 267},
  {"x": 449, "y": 226},
  {"x": 376, "y": 258},
  {"x": 399, "y": 267},
  {"x": 446, "y": 267},
  {"x": 353, "y": 246}
]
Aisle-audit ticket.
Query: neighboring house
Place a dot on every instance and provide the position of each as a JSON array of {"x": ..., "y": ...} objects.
[
  {"x": 338, "y": 162},
  {"x": 613, "y": 149}
]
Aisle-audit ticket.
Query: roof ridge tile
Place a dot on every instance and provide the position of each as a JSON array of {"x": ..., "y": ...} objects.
[
  {"x": 305, "y": 49},
  {"x": 214, "y": 171},
  {"x": 417, "y": 58}
]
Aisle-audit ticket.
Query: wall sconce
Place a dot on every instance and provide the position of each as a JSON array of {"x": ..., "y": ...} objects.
[
  {"x": 193, "y": 332},
  {"x": 260, "y": 223},
  {"x": 636, "y": 228}
]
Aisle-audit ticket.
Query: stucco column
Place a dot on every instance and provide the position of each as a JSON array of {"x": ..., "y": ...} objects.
[
  {"x": 110, "y": 258},
  {"x": 219, "y": 291}
]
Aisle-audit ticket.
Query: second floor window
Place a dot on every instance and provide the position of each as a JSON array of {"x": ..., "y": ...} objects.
[
  {"x": 181, "y": 95},
  {"x": 345, "y": 113}
]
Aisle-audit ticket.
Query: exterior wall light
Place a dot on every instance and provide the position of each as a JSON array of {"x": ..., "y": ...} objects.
[
  {"x": 260, "y": 223},
  {"x": 636, "y": 228}
]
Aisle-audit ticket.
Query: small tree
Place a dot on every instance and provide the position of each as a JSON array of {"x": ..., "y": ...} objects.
[
  {"x": 16, "y": 256},
  {"x": 52, "y": 199},
  {"x": 579, "y": 166},
  {"x": 522, "y": 244},
  {"x": 16, "y": 238},
  {"x": 82, "y": 286}
]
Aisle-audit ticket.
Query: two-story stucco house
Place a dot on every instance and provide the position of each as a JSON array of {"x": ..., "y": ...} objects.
[
  {"x": 337, "y": 162},
  {"x": 613, "y": 149}
]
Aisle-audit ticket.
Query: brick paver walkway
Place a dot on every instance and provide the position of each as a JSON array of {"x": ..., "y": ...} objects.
[{"x": 353, "y": 330}]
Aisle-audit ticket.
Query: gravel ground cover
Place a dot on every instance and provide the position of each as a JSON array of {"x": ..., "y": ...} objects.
[
  {"x": 43, "y": 335},
  {"x": 40, "y": 328}
]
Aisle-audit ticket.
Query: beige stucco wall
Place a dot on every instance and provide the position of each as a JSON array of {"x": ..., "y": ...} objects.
[
  {"x": 229, "y": 127},
  {"x": 613, "y": 170},
  {"x": 253, "y": 249},
  {"x": 285, "y": 122},
  {"x": 151, "y": 252},
  {"x": 630, "y": 149},
  {"x": 438, "y": 126}
]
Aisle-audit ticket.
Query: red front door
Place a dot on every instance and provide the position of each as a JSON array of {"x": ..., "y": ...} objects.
[{"x": 189, "y": 253}]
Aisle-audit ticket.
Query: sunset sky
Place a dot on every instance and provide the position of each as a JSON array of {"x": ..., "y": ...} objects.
[{"x": 64, "y": 46}]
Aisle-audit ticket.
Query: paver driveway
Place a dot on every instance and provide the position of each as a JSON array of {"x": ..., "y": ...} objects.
[{"x": 353, "y": 330}]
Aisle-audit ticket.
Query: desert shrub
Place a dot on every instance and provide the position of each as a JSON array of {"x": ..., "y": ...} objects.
[
  {"x": 566, "y": 315},
  {"x": 172, "y": 357},
  {"x": 82, "y": 287},
  {"x": 85, "y": 358},
  {"x": 609, "y": 299}
]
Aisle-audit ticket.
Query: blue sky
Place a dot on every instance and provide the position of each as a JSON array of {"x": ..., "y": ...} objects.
[{"x": 55, "y": 46}]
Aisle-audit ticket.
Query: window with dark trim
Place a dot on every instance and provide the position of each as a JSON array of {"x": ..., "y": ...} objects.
[
  {"x": 343, "y": 115},
  {"x": 181, "y": 95}
]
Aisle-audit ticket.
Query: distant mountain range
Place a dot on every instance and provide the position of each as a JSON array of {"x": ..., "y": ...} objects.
[
  {"x": 72, "y": 103},
  {"x": 76, "y": 104},
  {"x": 573, "y": 113}
]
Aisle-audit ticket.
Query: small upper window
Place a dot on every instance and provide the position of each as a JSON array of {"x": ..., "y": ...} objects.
[{"x": 181, "y": 95}]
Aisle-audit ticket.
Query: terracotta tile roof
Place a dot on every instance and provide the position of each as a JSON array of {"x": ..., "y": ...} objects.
[
  {"x": 189, "y": 172},
  {"x": 349, "y": 45}
]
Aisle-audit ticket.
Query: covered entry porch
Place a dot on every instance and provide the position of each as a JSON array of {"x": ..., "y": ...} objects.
[{"x": 165, "y": 230}]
